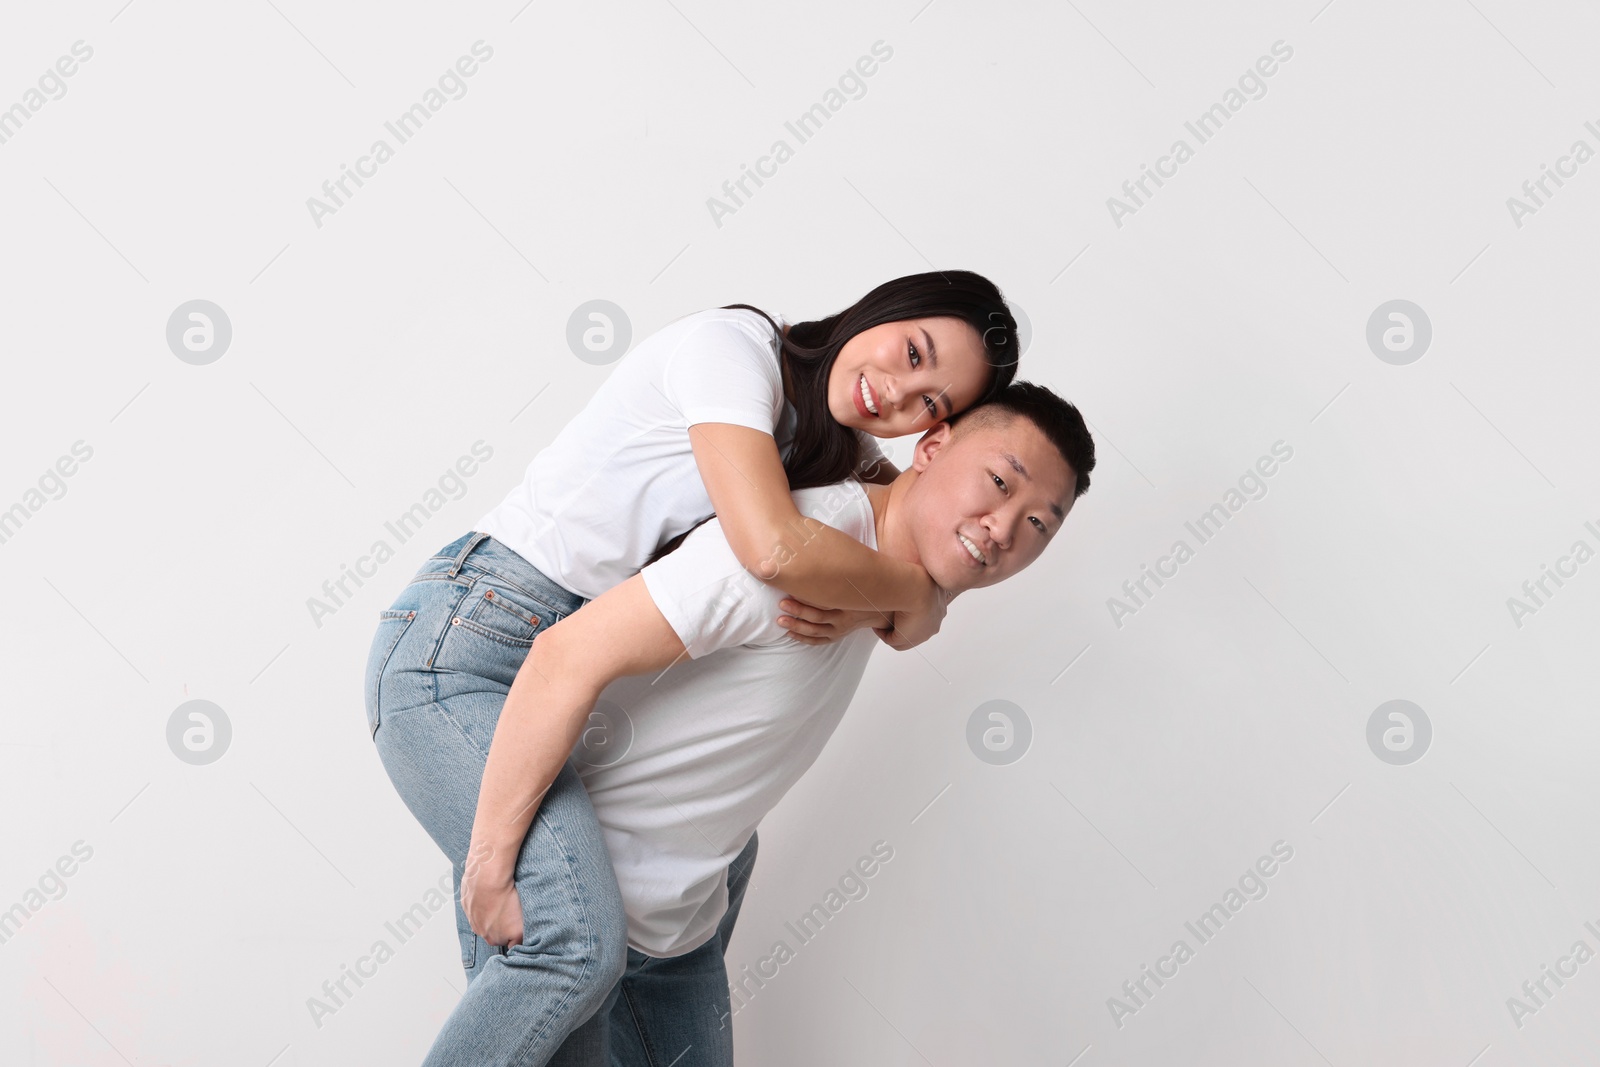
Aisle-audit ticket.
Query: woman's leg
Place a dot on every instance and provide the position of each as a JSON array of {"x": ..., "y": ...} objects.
[
  {"x": 591, "y": 1044},
  {"x": 441, "y": 666}
]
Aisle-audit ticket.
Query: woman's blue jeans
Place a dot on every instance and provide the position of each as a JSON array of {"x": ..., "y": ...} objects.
[{"x": 440, "y": 667}]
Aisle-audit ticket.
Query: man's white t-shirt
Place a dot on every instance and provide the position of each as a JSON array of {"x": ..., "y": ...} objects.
[
  {"x": 720, "y": 736},
  {"x": 620, "y": 479}
]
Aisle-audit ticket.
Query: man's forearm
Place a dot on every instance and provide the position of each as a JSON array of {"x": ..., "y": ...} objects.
[
  {"x": 621, "y": 632},
  {"x": 538, "y": 727}
]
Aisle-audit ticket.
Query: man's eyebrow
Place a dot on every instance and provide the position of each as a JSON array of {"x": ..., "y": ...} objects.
[{"x": 1016, "y": 465}]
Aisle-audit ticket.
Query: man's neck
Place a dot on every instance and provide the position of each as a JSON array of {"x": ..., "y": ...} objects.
[{"x": 887, "y": 507}]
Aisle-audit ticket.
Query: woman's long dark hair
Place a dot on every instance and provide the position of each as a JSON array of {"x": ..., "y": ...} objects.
[{"x": 826, "y": 452}]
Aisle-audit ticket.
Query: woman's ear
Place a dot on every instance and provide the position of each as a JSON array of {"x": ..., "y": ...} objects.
[{"x": 929, "y": 446}]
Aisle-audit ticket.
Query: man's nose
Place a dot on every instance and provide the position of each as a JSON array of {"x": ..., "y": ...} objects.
[{"x": 1000, "y": 532}]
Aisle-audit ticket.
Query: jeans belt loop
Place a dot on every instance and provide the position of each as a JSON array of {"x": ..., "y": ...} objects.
[{"x": 477, "y": 539}]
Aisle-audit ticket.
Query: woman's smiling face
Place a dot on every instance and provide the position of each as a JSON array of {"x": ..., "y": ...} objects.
[{"x": 902, "y": 377}]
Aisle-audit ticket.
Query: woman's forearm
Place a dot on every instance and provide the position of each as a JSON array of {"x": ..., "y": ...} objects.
[
  {"x": 823, "y": 566},
  {"x": 749, "y": 492}
]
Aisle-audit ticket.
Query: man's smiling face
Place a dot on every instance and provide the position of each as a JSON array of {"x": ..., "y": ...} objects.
[{"x": 988, "y": 498}]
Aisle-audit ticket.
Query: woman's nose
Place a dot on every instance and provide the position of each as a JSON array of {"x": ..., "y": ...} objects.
[{"x": 891, "y": 392}]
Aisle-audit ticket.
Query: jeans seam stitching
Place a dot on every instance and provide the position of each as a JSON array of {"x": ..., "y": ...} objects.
[
  {"x": 444, "y": 631},
  {"x": 587, "y": 924},
  {"x": 643, "y": 1032},
  {"x": 377, "y": 680}
]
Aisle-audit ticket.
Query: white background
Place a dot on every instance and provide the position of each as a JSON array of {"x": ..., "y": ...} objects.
[{"x": 1227, "y": 314}]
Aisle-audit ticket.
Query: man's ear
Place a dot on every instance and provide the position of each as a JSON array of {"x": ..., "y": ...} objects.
[{"x": 929, "y": 446}]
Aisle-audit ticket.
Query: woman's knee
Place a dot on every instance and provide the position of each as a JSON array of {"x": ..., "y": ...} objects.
[
  {"x": 590, "y": 933},
  {"x": 573, "y": 918},
  {"x": 578, "y": 962},
  {"x": 610, "y": 924}
]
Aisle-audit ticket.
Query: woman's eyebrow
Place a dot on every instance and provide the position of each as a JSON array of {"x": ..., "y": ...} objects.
[{"x": 933, "y": 362}]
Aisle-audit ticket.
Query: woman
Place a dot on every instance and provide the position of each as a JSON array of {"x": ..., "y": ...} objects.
[{"x": 720, "y": 412}]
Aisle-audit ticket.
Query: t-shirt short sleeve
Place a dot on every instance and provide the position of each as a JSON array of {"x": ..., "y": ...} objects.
[
  {"x": 712, "y": 602},
  {"x": 709, "y": 599},
  {"x": 726, "y": 371}
]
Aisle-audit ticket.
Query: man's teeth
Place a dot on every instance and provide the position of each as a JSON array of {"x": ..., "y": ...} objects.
[
  {"x": 866, "y": 396},
  {"x": 972, "y": 548}
]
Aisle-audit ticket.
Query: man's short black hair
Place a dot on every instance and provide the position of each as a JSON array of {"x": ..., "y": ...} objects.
[{"x": 1056, "y": 419}]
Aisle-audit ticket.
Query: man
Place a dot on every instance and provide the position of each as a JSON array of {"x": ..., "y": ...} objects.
[{"x": 718, "y": 709}]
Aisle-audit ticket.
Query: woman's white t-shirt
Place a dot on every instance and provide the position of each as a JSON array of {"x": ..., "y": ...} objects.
[{"x": 620, "y": 479}]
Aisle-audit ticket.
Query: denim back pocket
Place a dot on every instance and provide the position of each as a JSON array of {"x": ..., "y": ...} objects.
[
  {"x": 492, "y": 630},
  {"x": 392, "y": 626}
]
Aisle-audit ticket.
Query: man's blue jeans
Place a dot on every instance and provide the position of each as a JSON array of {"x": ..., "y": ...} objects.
[
  {"x": 668, "y": 1012},
  {"x": 441, "y": 663}
]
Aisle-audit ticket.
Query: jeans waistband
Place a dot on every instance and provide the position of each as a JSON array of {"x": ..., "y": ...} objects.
[{"x": 476, "y": 553}]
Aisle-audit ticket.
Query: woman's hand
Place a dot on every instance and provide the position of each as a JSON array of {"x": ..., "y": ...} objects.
[
  {"x": 489, "y": 899},
  {"x": 910, "y": 628},
  {"x": 818, "y": 626}
]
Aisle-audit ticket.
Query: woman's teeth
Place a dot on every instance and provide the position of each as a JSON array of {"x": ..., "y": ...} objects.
[
  {"x": 972, "y": 548},
  {"x": 866, "y": 396}
]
